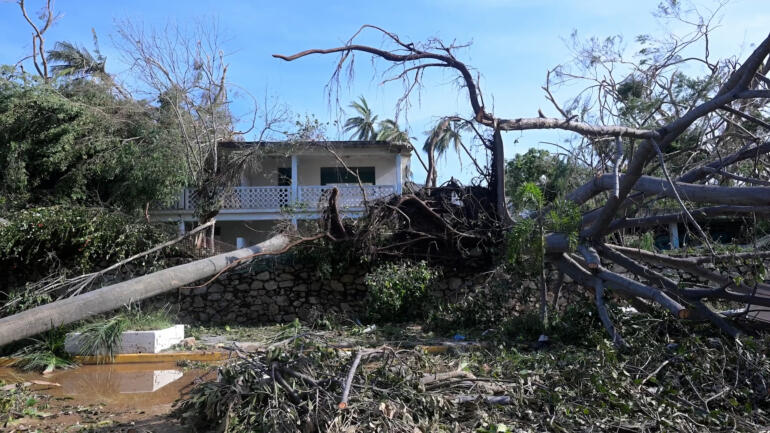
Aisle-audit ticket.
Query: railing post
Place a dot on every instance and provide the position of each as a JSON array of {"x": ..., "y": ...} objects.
[
  {"x": 399, "y": 172},
  {"x": 294, "y": 180}
]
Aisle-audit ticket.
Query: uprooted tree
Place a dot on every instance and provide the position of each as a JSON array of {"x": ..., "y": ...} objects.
[{"x": 659, "y": 136}]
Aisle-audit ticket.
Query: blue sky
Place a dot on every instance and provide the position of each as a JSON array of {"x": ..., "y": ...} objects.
[{"x": 514, "y": 43}]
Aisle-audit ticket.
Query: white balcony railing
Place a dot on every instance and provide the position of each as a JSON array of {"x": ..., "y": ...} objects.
[
  {"x": 274, "y": 198},
  {"x": 350, "y": 196}
]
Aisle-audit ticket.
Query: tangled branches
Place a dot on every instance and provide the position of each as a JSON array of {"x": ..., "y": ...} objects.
[
  {"x": 670, "y": 379},
  {"x": 449, "y": 225},
  {"x": 661, "y": 122}
]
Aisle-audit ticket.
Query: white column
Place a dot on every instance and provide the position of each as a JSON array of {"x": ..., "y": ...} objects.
[
  {"x": 180, "y": 227},
  {"x": 294, "y": 179},
  {"x": 399, "y": 173},
  {"x": 673, "y": 235}
]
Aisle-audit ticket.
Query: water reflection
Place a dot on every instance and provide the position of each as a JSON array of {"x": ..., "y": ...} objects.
[{"x": 132, "y": 385}]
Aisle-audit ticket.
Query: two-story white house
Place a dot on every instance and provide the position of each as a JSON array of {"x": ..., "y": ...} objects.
[{"x": 290, "y": 182}]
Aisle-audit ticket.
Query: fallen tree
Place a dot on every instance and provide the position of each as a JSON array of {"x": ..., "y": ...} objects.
[
  {"x": 69, "y": 310},
  {"x": 645, "y": 125}
]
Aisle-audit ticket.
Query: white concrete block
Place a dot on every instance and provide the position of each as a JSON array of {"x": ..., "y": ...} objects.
[{"x": 134, "y": 341}]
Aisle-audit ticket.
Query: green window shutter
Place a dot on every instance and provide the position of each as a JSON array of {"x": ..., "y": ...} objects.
[{"x": 331, "y": 175}]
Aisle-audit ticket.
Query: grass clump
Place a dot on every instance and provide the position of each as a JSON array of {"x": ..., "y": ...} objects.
[{"x": 44, "y": 354}]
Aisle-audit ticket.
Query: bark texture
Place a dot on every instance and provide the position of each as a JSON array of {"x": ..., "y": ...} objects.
[{"x": 69, "y": 310}]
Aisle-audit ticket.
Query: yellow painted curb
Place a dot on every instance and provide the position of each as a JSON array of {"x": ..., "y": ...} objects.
[{"x": 137, "y": 358}]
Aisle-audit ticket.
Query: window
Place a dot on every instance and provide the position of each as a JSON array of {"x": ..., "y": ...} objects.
[
  {"x": 331, "y": 175},
  {"x": 284, "y": 176}
]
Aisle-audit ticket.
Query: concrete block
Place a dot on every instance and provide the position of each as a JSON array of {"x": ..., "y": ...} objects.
[{"x": 134, "y": 341}]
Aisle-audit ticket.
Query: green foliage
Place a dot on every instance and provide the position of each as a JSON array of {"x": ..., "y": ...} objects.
[
  {"x": 399, "y": 291},
  {"x": 24, "y": 300},
  {"x": 525, "y": 247},
  {"x": 564, "y": 217},
  {"x": 327, "y": 258},
  {"x": 525, "y": 241},
  {"x": 102, "y": 338},
  {"x": 673, "y": 369},
  {"x": 553, "y": 175},
  {"x": 362, "y": 127},
  {"x": 71, "y": 239},
  {"x": 76, "y": 142},
  {"x": 576, "y": 325},
  {"x": 481, "y": 309},
  {"x": 45, "y": 354},
  {"x": 16, "y": 404}
]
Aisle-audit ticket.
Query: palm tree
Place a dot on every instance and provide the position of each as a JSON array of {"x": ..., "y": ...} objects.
[
  {"x": 444, "y": 134},
  {"x": 388, "y": 130},
  {"x": 363, "y": 125},
  {"x": 77, "y": 62}
]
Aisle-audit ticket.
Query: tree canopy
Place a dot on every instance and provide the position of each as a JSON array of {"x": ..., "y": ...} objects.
[{"x": 75, "y": 141}]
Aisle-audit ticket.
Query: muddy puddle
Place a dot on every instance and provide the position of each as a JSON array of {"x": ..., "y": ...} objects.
[{"x": 121, "y": 386}]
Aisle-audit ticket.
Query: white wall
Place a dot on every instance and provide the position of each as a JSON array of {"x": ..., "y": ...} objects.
[
  {"x": 266, "y": 174},
  {"x": 384, "y": 167}
]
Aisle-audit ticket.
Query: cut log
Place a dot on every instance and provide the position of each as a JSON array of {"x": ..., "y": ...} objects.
[{"x": 69, "y": 310}]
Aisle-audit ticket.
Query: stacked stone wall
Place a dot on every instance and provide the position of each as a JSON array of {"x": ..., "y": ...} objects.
[{"x": 280, "y": 290}]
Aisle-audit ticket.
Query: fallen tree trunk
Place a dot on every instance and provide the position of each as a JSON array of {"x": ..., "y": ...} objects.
[{"x": 69, "y": 310}]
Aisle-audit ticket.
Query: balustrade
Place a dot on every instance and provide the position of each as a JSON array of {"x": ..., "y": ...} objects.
[{"x": 273, "y": 198}]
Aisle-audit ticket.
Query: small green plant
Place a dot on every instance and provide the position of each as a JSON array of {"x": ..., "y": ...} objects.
[
  {"x": 45, "y": 354},
  {"x": 399, "y": 291},
  {"x": 645, "y": 242}
]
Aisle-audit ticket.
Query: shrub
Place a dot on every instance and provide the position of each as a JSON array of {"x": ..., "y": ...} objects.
[
  {"x": 76, "y": 240},
  {"x": 399, "y": 291},
  {"x": 45, "y": 353}
]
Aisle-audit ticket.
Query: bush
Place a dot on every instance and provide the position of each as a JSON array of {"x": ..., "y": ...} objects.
[
  {"x": 75, "y": 240},
  {"x": 399, "y": 291},
  {"x": 45, "y": 353}
]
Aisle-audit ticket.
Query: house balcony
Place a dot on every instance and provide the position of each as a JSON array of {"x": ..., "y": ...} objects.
[{"x": 277, "y": 202}]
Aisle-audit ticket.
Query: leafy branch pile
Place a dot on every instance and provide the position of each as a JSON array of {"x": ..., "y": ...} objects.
[
  {"x": 46, "y": 245},
  {"x": 674, "y": 377}
]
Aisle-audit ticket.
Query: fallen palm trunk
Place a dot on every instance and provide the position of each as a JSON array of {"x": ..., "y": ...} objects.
[{"x": 69, "y": 310}]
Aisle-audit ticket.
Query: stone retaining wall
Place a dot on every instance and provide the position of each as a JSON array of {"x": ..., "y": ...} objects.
[{"x": 278, "y": 290}]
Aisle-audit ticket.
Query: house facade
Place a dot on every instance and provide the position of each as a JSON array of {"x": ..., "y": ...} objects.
[{"x": 291, "y": 183}]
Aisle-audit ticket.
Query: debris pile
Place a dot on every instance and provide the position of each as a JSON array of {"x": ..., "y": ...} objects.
[{"x": 672, "y": 377}]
